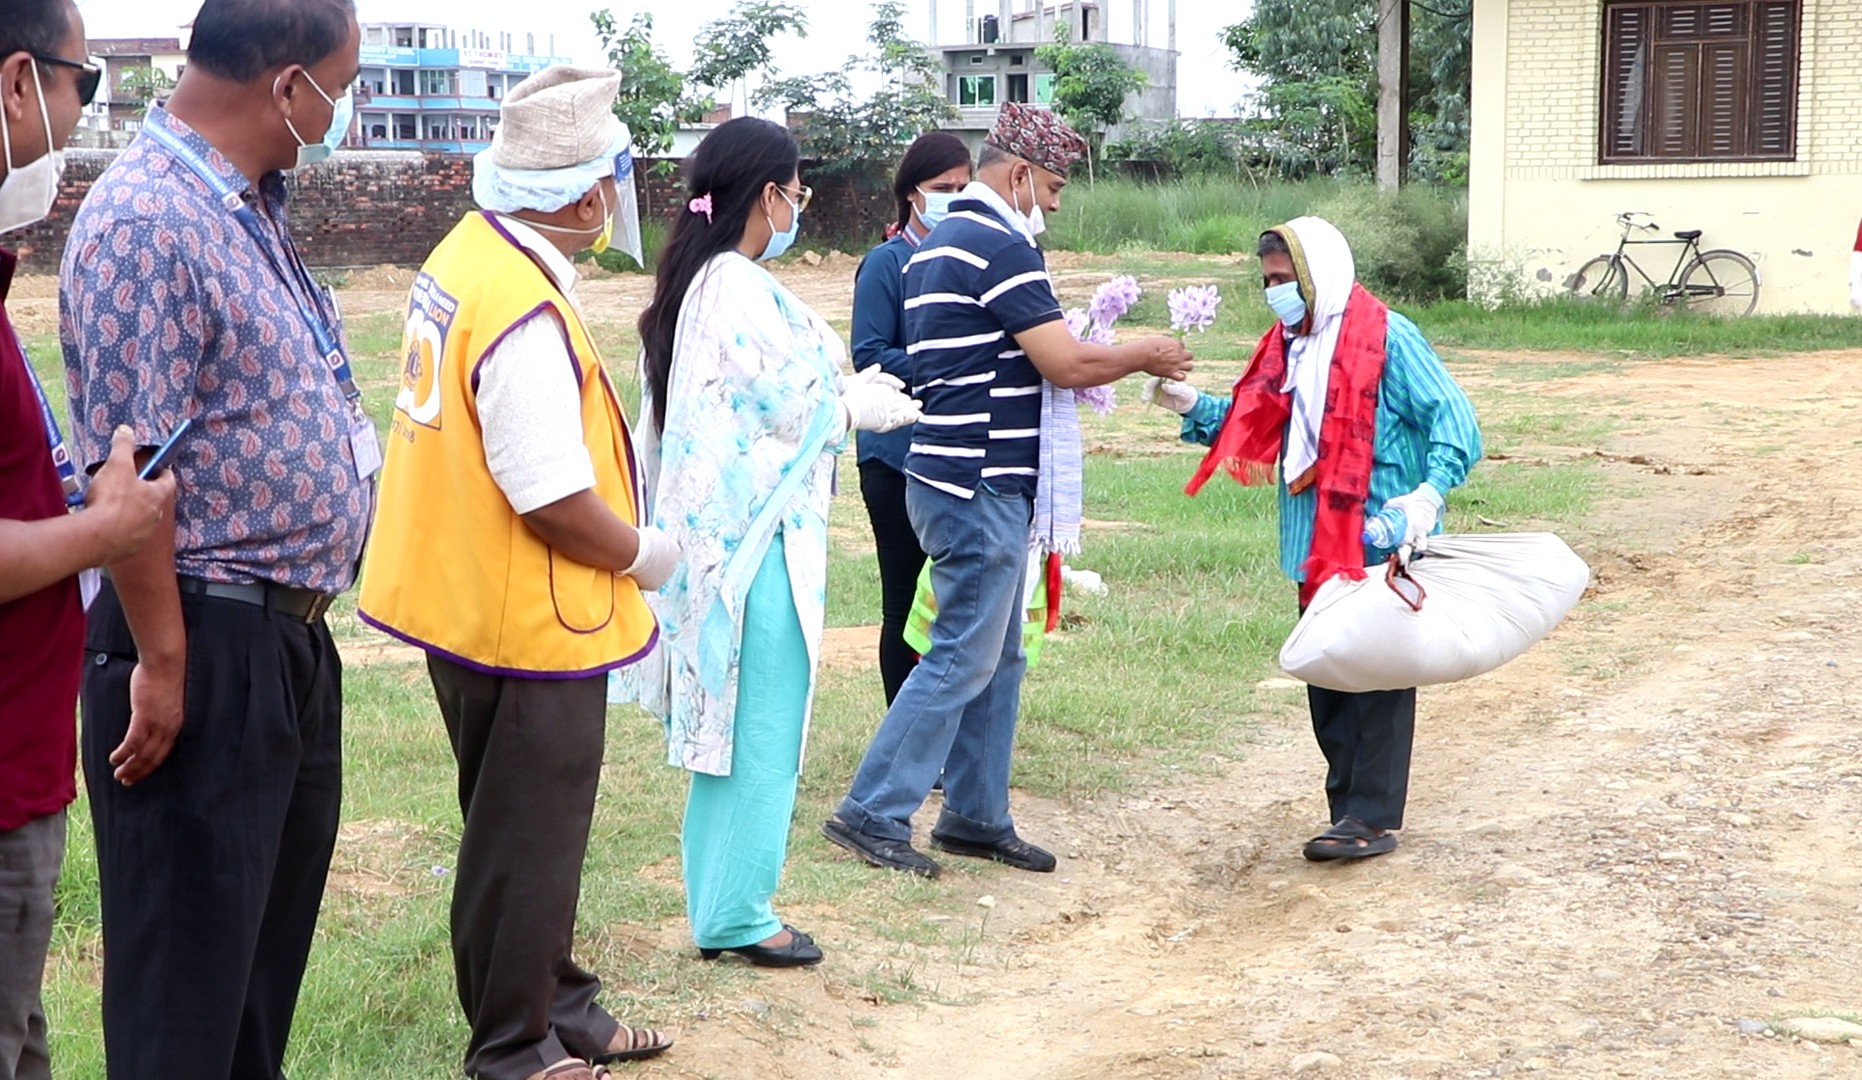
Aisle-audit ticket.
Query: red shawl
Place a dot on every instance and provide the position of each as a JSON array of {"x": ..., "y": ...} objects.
[{"x": 1252, "y": 437}]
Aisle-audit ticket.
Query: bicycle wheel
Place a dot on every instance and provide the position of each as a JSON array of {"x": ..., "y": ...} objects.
[
  {"x": 1723, "y": 283},
  {"x": 1602, "y": 278}
]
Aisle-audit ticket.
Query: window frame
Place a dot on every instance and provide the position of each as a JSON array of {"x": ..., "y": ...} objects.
[
  {"x": 976, "y": 96},
  {"x": 1750, "y": 89}
]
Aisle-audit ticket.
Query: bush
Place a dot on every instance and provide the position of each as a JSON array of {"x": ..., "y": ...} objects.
[{"x": 1411, "y": 247}]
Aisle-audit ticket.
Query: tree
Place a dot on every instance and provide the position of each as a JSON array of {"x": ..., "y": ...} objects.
[
  {"x": 1318, "y": 99},
  {"x": 728, "y": 51},
  {"x": 1091, "y": 84},
  {"x": 652, "y": 90},
  {"x": 846, "y": 131},
  {"x": 146, "y": 84}
]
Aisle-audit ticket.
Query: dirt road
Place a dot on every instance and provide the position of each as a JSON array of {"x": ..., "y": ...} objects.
[{"x": 1621, "y": 847}]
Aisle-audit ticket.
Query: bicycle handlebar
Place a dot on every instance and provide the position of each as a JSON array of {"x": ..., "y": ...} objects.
[{"x": 1627, "y": 219}]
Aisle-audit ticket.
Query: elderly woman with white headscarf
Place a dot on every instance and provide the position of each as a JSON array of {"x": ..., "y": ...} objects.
[
  {"x": 512, "y": 545},
  {"x": 1360, "y": 415}
]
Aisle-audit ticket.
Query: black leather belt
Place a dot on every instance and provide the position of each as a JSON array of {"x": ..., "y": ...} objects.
[{"x": 303, "y": 605}]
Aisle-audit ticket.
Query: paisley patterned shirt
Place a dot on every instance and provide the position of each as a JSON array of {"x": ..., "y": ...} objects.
[{"x": 172, "y": 310}]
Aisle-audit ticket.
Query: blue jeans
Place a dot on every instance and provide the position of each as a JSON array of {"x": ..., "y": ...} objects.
[{"x": 957, "y": 709}]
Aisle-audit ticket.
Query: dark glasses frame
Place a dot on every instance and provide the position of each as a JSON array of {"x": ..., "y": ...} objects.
[{"x": 90, "y": 76}]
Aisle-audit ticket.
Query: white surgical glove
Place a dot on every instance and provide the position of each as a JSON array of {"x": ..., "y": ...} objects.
[
  {"x": 1422, "y": 509},
  {"x": 1173, "y": 394},
  {"x": 875, "y": 401},
  {"x": 656, "y": 559}
]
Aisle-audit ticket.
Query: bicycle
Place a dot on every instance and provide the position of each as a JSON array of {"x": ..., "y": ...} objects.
[{"x": 1717, "y": 282}]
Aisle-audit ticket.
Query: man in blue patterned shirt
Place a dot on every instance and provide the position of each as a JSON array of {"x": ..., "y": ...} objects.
[
  {"x": 1360, "y": 416},
  {"x": 212, "y": 701}
]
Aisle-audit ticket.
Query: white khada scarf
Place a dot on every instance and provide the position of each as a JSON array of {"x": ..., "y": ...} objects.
[{"x": 1322, "y": 258}]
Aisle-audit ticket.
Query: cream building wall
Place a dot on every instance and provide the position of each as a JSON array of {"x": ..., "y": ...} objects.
[{"x": 1540, "y": 205}]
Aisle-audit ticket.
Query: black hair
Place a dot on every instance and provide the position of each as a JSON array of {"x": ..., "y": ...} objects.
[
  {"x": 932, "y": 155},
  {"x": 1272, "y": 243},
  {"x": 731, "y": 168},
  {"x": 242, "y": 39},
  {"x": 35, "y": 26}
]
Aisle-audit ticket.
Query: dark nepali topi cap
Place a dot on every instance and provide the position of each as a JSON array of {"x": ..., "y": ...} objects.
[{"x": 1038, "y": 137}]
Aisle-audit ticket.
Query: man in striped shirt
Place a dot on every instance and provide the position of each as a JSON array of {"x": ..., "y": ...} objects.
[
  {"x": 983, "y": 329},
  {"x": 1398, "y": 436}
]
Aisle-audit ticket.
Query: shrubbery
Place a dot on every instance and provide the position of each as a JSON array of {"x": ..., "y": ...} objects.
[{"x": 1408, "y": 247}]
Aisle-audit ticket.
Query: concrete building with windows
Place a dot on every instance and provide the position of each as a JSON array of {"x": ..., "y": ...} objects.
[
  {"x": 994, "y": 61},
  {"x": 1740, "y": 118},
  {"x": 431, "y": 87},
  {"x": 135, "y": 71}
]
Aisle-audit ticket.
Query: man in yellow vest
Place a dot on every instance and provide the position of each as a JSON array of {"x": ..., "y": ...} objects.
[{"x": 508, "y": 545}]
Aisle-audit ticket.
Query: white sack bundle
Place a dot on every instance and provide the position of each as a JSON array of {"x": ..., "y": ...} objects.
[{"x": 1469, "y": 604}]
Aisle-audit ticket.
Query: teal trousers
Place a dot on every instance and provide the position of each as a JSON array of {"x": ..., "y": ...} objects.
[{"x": 737, "y": 827}]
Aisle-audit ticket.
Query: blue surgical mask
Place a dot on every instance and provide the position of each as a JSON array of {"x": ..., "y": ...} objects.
[
  {"x": 1287, "y": 303},
  {"x": 342, "y": 112},
  {"x": 780, "y": 242},
  {"x": 937, "y": 206}
]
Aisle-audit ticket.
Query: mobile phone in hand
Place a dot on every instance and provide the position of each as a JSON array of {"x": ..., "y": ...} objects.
[{"x": 159, "y": 461}]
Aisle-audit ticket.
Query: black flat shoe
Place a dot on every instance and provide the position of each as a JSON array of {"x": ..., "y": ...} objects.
[
  {"x": 801, "y": 951},
  {"x": 1012, "y": 850},
  {"x": 886, "y": 854}
]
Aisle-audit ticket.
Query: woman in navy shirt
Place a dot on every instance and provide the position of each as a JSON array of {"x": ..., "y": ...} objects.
[{"x": 934, "y": 169}]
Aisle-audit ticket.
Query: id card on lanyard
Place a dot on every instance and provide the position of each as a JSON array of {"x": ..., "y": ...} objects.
[
  {"x": 364, "y": 444},
  {"x": 89, "y": 581}
]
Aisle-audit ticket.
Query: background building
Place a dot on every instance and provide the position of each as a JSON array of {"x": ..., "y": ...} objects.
[
  {"x": 136, "y": 71},
  {"x": 430, "y": 87},
  {"x": 996, "y": 60},
  {"x": 1741, "y": 118}
]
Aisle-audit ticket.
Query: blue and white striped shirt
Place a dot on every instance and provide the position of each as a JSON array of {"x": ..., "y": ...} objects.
[
  {"x": 972, "y": 286},
  {"x": 1425, "y": 431}
]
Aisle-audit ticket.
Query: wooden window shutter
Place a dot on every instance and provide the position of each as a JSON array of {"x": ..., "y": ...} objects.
[
  {"x": 1677, "y": 100},
  {"x": 1626, "y": 62},
  {"x": 1775, "y": 56},
  {"x": 1725, "y": 77}
]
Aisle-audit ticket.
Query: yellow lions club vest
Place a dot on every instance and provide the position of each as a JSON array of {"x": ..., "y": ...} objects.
[{"x": 452, "y": 568}]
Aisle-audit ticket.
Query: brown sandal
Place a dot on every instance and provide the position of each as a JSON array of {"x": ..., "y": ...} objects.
[{"x": 633, "y": 1044}]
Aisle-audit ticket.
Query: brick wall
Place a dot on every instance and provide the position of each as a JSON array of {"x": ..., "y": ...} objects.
[
  {"x": 850, "y": 211},
  {"x": 375, "y": 207}
]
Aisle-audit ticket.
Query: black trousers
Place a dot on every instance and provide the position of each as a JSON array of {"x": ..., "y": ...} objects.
[
  {"x": 529, "y": 753},
  {"x": 212, "y": 868},
  {"x": 1366, "y": 739},
  {"x": 900, "y": 561}
]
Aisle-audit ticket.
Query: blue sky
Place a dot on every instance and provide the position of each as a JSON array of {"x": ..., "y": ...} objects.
[{"x": 1207, "y": 87}]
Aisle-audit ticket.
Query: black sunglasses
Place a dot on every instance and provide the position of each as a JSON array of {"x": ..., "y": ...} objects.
[{"x": 89, "y": 75}]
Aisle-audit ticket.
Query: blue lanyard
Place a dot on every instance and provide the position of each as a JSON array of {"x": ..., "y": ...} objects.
[
  {"x": 302, "y": 290},
  {"x": 54, "y": 439}
]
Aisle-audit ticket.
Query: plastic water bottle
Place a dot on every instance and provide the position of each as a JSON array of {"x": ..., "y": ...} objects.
[{"x": 1386, "y": 530}]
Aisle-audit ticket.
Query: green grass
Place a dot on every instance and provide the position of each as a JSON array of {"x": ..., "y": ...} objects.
[
  {"x": 1601, "y": 337},
  {"x": 1198, "y": 215},
  {"x": 1639, "y": 332},
  {"x": 1195, "y": 613}
]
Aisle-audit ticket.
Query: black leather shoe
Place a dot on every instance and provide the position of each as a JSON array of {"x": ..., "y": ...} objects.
[
  {"x": 886, "y": 854},
  {"x": 1012, "y": 850},
  {"x": 801, "y": 951}
]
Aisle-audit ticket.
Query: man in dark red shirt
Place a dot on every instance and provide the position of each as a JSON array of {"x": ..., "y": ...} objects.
[{"x": 45, "y": 82}]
